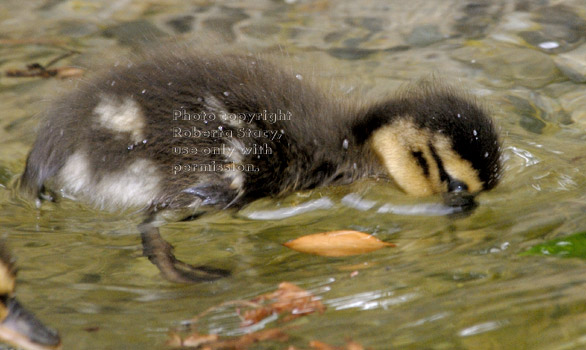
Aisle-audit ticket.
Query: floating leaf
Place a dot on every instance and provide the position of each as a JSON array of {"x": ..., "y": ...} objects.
[
  {"x": 287, "y": 298},
  {"x": 337, "y": 243},
  {"x": 174, "y": 340},
  {"x": 38, "y": 71},
  {"x": 573, "y": 246},
  {"x": 195, "y": 340},
  {"x": 213, "y": 342},
  {"x": 318, "y": 345},
  {"x": 350, "y": 345}
]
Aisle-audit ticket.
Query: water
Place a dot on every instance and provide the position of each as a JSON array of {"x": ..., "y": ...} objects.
[{"x": 449, "y": 284}]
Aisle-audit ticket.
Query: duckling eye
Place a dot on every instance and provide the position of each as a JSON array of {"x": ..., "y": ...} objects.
[{"x": 457, "y": 186}]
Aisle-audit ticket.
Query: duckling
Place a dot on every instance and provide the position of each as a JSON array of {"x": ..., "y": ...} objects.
[
  {"x": 182, "y": 135},
  {"x": 17, "y": 325}
]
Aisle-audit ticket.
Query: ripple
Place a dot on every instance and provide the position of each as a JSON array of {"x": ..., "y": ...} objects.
[
  {"x": 482, "y": 328},
  {"x": 370, "y": 300},
  {"x": 282, "y": 213}
]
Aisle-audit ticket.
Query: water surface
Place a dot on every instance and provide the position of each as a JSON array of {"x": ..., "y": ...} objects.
[{"x": 449, "y": 284}]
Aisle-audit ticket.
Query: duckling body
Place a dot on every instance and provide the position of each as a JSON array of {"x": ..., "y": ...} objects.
[{"x": 184, "y": 135}]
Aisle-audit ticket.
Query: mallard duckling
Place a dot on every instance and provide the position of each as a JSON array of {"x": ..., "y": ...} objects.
[
  {"x": 183, "y": 135},
  {"x": 17, "y": 325}
]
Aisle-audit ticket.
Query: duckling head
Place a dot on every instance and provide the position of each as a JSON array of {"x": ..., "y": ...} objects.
[
  {"x": 17, "y": 325},
  {"x": 433, "y": 141}
]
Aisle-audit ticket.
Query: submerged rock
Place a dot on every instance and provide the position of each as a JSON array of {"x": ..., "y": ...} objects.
[
  {"x": 424, "y": 35},
  {"x": 182, "y": 24},
  {"x": 134, "y": 32},
  {"x": 224, "y": 24},
  {"x": 526, "y": 67},
  {"x": 575, "y": 103},
  {"x": 260, "y": 30},
  {"x": 573, "y": 64},
  {"x": 538, "y": 113},
  {"x": 561, "y": 29},
  {"x": 477, "y": 17}
]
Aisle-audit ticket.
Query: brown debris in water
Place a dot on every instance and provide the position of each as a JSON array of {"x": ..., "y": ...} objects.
[
  {"x": 350, "y": 345},
  {"x": 288, "y": 298},
  {"x": 36, "y": 70},
  {"x": 214, "y": 342}
]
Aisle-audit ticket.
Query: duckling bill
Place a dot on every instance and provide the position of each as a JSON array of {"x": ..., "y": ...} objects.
[
  {"x": 179, "y": 136},
  {"x": 18, "y": 326}
]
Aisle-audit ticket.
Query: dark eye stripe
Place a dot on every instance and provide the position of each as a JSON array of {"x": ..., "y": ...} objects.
[
  {"x": 440, "y": 165},
  {"x": 421, "y": 161}
]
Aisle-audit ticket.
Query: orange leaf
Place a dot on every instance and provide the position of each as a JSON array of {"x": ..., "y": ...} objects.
[
  {"x": 318, "y": 345},
  {"x": 337, "y": 243},
  {"x": 352, "y": 345},
  {"x": 174, "y": 340},
  {"x": 256, "y": 315},
  {"x": 195, "y": 340},
  {"x": 287, "y": 298}
]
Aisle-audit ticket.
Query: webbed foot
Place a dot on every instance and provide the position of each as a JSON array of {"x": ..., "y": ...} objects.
[{"x": 160, "y": 253}]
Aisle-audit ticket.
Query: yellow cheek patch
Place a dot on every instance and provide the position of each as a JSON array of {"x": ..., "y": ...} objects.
[
  {"x": 6, "y": 280},
  {"x": 457, "y": 167},
  {"x": 393, "y": 144}
]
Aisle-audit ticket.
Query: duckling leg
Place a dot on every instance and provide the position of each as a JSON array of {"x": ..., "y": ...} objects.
[{"x": 160, "y": 253}]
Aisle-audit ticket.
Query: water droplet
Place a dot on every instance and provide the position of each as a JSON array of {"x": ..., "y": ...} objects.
[
  {"x": 169, "y": 83},
  {"x": 144, "y": 141},
  {"x": 113, "y": 82},
  {"x": 459, "y": 116},
  {"x": 299, "y": 76},
  {"x": 220, "y": 128},
  {"x": 226, "y": 93},
  {"x": 143, "y": 91},
  {"x": 345, "y": 144},
  {"x": 475, "y": 132},
  {"x": 486, "y": 155},
  {"x": 282, "y": 131},
  {"x": 130, "y": 147}
]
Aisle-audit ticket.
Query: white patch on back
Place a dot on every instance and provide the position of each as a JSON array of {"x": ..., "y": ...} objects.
[
  {"x": 235, "y": 157},
  {"x": 215, "y": 106},
  {"x": 75, "y": 175},
  {"x": 124, "y": 116},
  {"x": 236, "y": 146},
  {"x": 137, "y": 185}
]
